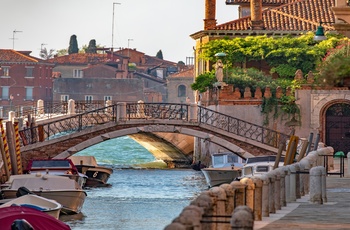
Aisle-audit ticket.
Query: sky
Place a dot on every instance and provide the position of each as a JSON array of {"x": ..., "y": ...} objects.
[{"x": 147, "y": 26}]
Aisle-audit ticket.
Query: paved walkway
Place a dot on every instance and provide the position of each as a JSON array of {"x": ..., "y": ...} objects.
[{"x": 334, "y": 214}]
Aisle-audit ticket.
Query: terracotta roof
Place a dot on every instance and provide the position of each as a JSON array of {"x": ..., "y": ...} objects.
[
  {"x": 264, "y": 2},
  {"x": 185, "y": 73},
  {"x": 8, "y": 55},
  {"x": 80, "y": 58},
  {"x": 301, "y": 15}
]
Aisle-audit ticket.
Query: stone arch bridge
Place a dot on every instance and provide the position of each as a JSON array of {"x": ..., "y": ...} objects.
[{"x": 64, "y": 137}]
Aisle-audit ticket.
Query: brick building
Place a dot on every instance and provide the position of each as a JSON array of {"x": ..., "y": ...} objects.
[{"x": 23, "y": 79}]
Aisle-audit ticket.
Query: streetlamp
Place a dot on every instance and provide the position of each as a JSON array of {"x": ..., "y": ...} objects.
[
  {"x": 319, "y": 34},
  {"x": 11, "y": 101}
]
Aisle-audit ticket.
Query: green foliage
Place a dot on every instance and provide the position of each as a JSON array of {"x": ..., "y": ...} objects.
[
  {"x": 204, "y": 82},
  {"x": 46, "y": 55},
  {"x": 283, "y": 54},
  {"x": 73, "y": 45},
  {"x": 335, "y": 66},
  {"x": 159, "y": 54}
]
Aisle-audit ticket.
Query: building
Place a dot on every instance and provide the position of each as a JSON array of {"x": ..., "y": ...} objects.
[
  {"x": 23, "y": 79},
  {"x": 323, "y": 111},
  {"x": 179, "y": 87}
]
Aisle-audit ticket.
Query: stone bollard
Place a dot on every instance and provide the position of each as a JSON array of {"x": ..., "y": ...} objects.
[
  {"x": 205, "y": 202},
  {"x": 242, "y": 218},
  {"x": 121, "y": 111},
  {"x": 257, "y": 210},
  {"x": 219, "y": 195},
  {"x": 316, "y": 185},
  {"x": 272, "y": 178},
  {"x": 293, "y": 182},
  {"x": 324, "y": 185},
  {"x": 175, "y": 226},
  {"x": 190, "y": 217},
  {"x": 240, "y": 197},
  {"x": 277, "y": 189},
  {"x": 249, "y": 191},
  {"x": 265, "y": 195},
  {"x": 297, "y": 180},
  {"x": 283, "y": 174},
  {"x": 230, "y": 198},
  {"x": 305, "y": 166},
  {"x": 287, "y": 183}
]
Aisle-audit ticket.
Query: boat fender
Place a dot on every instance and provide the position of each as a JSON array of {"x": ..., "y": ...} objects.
[
  {"x": 21, "y": 224},
  {"x": 23, "y": 191}
]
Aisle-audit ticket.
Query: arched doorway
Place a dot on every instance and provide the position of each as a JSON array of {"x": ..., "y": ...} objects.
[{"x": 338, "y": 127}]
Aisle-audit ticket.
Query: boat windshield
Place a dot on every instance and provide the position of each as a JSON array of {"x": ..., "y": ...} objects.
[
  {"x": 50, "y": 164},
  {"x": 263, "y": 159}
]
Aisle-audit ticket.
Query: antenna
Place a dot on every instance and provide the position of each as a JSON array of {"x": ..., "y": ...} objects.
[
  {"x": 130, "y": 39},
  {"x": 114, "y": 3},
  {"x": 42, "y": 44},
  {"x": 13, "y": 37}
]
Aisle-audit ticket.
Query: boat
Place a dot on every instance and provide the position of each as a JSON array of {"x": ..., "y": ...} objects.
[
  {"x": 18, "y": 217},
  {"x": 47, "y": 206},
  {"x": 61, "y": 167},
  {"x": 225, "y": 168},
  {"x": 64, "y": 190},
  {"x": 260, "y": 165},
  {"x": 97, "y": 176}
]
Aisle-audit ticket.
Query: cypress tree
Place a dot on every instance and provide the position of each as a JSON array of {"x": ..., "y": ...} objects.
[
  {"x": 92, "y": 47},
  {"x": 73, "y": 45},
  {"x": 159, "y": 54}
]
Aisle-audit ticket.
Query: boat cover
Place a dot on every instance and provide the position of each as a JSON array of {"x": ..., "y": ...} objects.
[{"x": 38, "y": 220}]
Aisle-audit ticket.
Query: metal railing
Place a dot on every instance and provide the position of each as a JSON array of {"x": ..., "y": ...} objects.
[
  {"x": 65, "y": 126},
  {"x": 166, "y": 111},
  {"x": 240, "y": 127}
]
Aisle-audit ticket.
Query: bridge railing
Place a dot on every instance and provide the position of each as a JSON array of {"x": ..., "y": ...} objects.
[
  {"x": 240, "y": 127},
  {"x": 68, "y": 125},
  {"x": 168, "y": 111}
]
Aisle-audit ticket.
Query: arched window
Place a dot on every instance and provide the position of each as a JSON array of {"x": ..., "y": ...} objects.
[{"x": 181, "y": 91}]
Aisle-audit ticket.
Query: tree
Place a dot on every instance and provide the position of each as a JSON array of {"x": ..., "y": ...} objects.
[
  {"x": 73, "y": 45},
  {"x": 92, "y": 47},
  {"x": 159, "y": 54},
  {"x": 62, "y": 52},
  {"x": 44, "y": 54}
]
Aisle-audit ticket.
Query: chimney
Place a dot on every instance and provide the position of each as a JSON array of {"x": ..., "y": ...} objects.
[
  {"x": 256, "y": 14},
  {"x": 210, "y": 8}
]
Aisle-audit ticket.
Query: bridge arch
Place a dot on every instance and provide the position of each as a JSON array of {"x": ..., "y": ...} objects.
[{"x": 155, "y": 128}]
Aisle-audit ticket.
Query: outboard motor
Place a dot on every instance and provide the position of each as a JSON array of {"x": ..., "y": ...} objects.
[
  {"x": 21, "y": 191},
  {"x": 21, "y": 224}
]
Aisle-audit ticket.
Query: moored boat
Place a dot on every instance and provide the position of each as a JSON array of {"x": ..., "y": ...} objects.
[
  {"x": 97, "y": 176},
  {"x": 43, "y": 204},
  {"x": 60, "y": 167},
  {"x": 225, "y": 168},
  {"x": 65, "y": 191},
  {"x": 17, "y": 217},
  {"x": 260, "y": 165}
]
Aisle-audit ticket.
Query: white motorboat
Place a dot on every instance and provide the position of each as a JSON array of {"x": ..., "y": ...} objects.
[
  {"x": 65, "y": 191},
  {"x": 260, "y": 165},
  {"x": 43, "y": 204},
  {"x": 59, "y": 167},
  {"x": 97, "y": 176},
  {"x": 225, "y": 168}
]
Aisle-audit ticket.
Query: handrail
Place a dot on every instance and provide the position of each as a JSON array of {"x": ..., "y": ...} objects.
[{"x": 165, "y": 111}]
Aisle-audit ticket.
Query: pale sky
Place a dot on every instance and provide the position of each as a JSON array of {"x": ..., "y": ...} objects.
[{"x": 147, "y": 25}]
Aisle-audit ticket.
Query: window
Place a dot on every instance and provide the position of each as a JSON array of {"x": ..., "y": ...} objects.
[
  {"x": 64, "y": 98},
  {"x": 181, "y": 91},
  {"x": 5, "y": 71},
  {"x": 107, "y": 98},
  {"x": 5, "y": 92},
  {"x": 29, "y": 71},
  {"x": 88, "y": 98},
  {"x": 29, "y": 93},
  {"x": 77, "y": 73}
]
